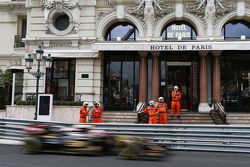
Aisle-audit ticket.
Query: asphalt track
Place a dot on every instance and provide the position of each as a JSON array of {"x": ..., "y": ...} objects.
[{"x": 11, "y": 156}]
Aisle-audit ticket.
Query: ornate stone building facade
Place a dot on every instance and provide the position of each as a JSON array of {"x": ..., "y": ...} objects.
[{"x": 121, "y": 52}]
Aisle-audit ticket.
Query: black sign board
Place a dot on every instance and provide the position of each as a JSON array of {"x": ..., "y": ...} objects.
[{"x": 44, "y": 105}]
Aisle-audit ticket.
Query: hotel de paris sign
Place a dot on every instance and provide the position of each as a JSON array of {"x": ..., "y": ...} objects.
[{"x": 171, "y": 46}]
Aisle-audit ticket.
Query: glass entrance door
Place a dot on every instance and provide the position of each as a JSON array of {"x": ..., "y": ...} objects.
[
  {"x": 181, "y": 76},
  {"x": 121, "y": 82}
]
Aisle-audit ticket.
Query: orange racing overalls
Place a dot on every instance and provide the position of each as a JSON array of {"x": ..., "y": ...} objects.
[
  {"x": 152, "y": 112},
  {"x": 175, "y": 104},
  {"x": 97, "y": 114},
  {"x": 83, "y": 114},
  {"x": 162, "y": 109}
]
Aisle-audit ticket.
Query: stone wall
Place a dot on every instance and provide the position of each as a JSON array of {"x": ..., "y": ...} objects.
[
  {"x": 2, "y": 113},
  {"x": 66, "y": 114}
]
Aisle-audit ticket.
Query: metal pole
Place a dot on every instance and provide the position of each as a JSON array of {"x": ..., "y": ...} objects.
[
  {"x": 13, "y": 89},
  {"x": 38, "y": 75}
]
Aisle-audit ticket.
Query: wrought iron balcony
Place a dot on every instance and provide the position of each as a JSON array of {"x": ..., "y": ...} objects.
[{"x": 18, "y": 41}]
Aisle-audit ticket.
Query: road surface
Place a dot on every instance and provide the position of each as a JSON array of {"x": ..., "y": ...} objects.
[{"x": 11, "y": 156}]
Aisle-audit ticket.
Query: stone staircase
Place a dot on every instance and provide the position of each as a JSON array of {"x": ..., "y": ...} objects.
[
  {"x": 238, "y": 118},
  {"x": 186, "y": 118}
]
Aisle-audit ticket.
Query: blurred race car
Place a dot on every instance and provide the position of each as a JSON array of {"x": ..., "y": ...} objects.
[
  {"x": 84, "y": 139},
  {"x": 80, "y": 139},
  {"x": 133, "y": 147}
]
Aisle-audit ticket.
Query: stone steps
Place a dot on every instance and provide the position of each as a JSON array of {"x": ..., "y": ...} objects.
[{"x": 186, "y": 118}]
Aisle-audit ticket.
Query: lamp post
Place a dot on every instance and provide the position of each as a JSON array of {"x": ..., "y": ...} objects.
[{"x": 38, "y": 74}]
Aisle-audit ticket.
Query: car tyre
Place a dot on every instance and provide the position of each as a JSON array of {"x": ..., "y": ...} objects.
[{"x": 31, "y": 146}]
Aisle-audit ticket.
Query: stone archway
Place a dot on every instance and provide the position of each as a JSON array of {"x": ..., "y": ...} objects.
[
  {"x": 190, "y": 18},
  {"x": 110, "y": 19},
  {"x": 227, "y": 18}
]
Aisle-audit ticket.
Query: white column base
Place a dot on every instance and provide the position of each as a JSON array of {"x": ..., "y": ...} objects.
[{"x": 204, "y": 108}]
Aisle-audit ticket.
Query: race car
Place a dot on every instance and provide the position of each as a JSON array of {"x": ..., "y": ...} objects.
[
  {"x": 134, "y": 147},
  {"x": 80, "y": 139},
  {"x": 85, "y": 139}
]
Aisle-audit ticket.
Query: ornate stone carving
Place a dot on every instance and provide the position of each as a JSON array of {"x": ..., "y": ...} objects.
[
  {"x": 103, "y": 13},
  {"x": 165, "y": 9},
  {"x": 70, "y": 4},
  {"x": 149, "y": 11},
  {"x": 71, "y": 8},
  {"x": 210, "y": 11},
  {"x": 200, "y": 11}
]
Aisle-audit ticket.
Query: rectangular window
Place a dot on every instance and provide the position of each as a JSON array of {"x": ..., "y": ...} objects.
[
  {"x": 121, "y": 82},
  {"x": 60, "y": 79},
  {"x": 21, "y": 31}
]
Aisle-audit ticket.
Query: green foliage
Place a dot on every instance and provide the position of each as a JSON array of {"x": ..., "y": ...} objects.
[
  {"x": 67, "y": 103},
  {"x": 55, "y": 102},
  {"x": 24, "y": 102},
  {"x": 5, "y": 78},
  {"x": 2, "y": 105}
]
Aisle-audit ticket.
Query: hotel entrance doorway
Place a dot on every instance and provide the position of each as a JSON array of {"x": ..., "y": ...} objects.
[{"x": 180, "y": 74}]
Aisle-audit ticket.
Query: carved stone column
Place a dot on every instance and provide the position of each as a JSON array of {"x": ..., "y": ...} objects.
[
  {"x": 203, "y": 106},
  {"x": 216, "y": 76},
  {"x": 143, "y": 76},
  {"x": 155, "y": 75}
]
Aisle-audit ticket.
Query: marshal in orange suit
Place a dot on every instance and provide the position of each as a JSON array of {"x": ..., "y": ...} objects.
[
  {"x": 97, "y": 113},
  {"x": 162, "y": 109},
  {"x": 176, "y": 104},
  {"x": 152, "y": 112},
  {"x": 83, "y": 112}
]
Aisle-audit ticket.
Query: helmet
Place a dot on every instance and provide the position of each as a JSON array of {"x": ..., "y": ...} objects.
[
  {"x": 176, "y": 88},
  {"x": 85, "y": 103},
  {"x": 151, "y": 103},
  {"x": 96, "y": 103},
  {"x": 161, "y": 99}
]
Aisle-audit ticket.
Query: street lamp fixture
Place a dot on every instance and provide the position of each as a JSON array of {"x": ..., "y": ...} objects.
[{"x": 38, "y": 74}]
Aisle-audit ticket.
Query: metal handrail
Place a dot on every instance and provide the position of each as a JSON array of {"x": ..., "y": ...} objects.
[{"x": 222, "y": 138}]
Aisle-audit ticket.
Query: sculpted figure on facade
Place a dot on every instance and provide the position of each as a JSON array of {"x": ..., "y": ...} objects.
[
  {"x": 149, "y": 14},
  {"x": 209, "y": 15}
]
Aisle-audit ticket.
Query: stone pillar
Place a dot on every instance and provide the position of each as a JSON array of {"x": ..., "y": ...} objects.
[
  {"x": 143, "y": 76},
  {"x": 142, "y": 80},
  {"x": 155, "y": 75},
  {"x": 216, "y": 76},
  {"x": 203, "y": 106}
]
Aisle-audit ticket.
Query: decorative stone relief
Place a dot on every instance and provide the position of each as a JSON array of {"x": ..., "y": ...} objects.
[
  {"x": 101, "y": 14},
  {"x": 149, "y": 11},
  {"x": 70, "y": 4},
  {"x": 210, "y": 11},
  {"x": 36, "y": 2},
  {"x": 71, "y": 9}
]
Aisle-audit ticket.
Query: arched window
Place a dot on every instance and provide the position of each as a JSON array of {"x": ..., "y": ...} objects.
[
  {"x": 178, "y": 30},
  {"x": 121, "y": 31},
  {"x": 236, "y": 29}
]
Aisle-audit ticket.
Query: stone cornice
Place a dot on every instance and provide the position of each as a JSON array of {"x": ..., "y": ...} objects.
[
  {"x": 133, "y": 2},
  {"x": 172, "y": 46},
  {"x": 12, "y": 4}
]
